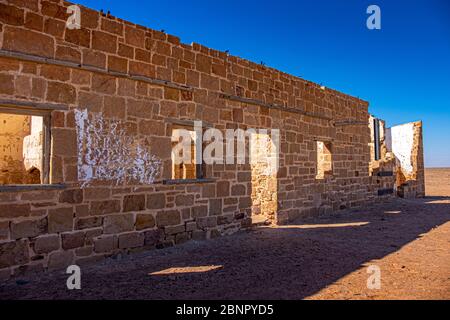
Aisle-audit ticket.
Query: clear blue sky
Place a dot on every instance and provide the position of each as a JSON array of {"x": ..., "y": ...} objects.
[{"x": 403, "y": 69}]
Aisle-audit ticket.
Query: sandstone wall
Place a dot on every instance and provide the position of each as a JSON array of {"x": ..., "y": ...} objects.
[{"x": 142, "y": 82}]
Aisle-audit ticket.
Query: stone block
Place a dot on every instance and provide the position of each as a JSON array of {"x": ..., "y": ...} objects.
[
  {"x": 12, "y": 210},
  {"x": 245, "y": 202},
  {"x": 112, "y": 26},
  {"x": 84, "y": 251},
  {"x": 46, "y": 243},
  {"x": 89, "y": 222},
  {"x": 105, "y": 207},
  {"x": 144, "y": 221},
  {"x": 168, "y": 218},
  {"x": 61, "y": 92},
  {"x": 134, "y": 37},
  {"x": 131, "y": 240},
  {"x": 64, "y": 142},
  {"x": 68, "y": 54},
  {"x": 28, "y": 228},
  {"x": 91, "y": 101},
  {"x": 6, "y": 84},
  {"x": 200, "y": 211},
  {"x": 223, "y": 189},
  {"x": 156, "y": 201},
  {"x": 207, "y": 222},
  {"x": 152, "y": 237},
  {"x": 215, "y": 207},
  {"x": 238, "y": 190},
  {"x": 118, "y": 223},
  {"x": 104, "y": 42},
  {"x": 184, "y": 200},
  {"x": 28, "y": 41},
  {"x": 174, "y": 229},
  {"x": 73, "y": 240},
  {"x": 81, "y": 37},
  {"x": 14, "y": 253},
  {"x": 114, "y": 107},
  {"x": 181, "y": 238},
  {"x": 60, "y": 220},
  {"x": 4, "y": 230},
  {"x": 191, "y": 226},
  {"x": 94, "y": 58},
  {"x": 60, "y": 259},
  {"x": 71, "y": 196},
  {"x": 199, "y": 235},
  {"x": 134, "y": 203},
  {"x": 104, "y": 84},
  {"x": 97, "y": 193},
  {"x": 11, "y": 15},
  {"x": 105, "y": 243},
  {"x": 225, "y": 219}
]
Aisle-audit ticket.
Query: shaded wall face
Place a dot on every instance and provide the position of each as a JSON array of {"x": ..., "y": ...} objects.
[{"x": 20, "y": 149}]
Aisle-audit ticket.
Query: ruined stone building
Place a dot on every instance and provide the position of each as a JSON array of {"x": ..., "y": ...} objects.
[{"x": 86, "y": 123}]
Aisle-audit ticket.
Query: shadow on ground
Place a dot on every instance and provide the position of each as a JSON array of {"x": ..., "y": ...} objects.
[{"x": 288, "y": 262}]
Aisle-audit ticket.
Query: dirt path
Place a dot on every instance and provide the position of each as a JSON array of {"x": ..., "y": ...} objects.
[{"x": 319, "y": 259}]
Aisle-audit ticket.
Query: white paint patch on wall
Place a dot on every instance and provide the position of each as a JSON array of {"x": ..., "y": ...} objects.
[
  {"x": 400, "y": 140},
  {"x": 107, "y": 153}
]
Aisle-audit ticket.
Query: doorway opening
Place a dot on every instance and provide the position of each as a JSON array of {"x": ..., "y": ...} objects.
[{"x": 264, "y": 168}]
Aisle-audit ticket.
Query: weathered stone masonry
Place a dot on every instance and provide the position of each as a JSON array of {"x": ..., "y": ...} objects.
[{"x": 147, "y": 81}]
